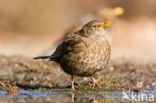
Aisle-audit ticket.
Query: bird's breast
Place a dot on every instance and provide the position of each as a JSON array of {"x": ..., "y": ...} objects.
[{"x": 87, "y": 57}]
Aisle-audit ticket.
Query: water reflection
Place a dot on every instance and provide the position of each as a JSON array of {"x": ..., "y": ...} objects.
[{"x": 75, "y": 97}]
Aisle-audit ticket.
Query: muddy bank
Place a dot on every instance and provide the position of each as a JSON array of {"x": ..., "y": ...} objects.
[{"x": 25, "y": 73}]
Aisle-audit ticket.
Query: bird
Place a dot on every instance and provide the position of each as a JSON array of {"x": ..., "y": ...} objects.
[{"x": 85, "y": 52}]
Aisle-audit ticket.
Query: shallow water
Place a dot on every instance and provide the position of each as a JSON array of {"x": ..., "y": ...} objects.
[{"x": 78, "y": 96}]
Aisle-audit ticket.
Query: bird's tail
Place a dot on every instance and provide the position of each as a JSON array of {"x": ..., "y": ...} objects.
[
  {"x": 50, "y": 58},
  {"x": 42, "y": 57}
]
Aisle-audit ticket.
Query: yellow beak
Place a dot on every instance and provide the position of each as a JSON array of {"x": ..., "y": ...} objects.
[{"x": 106, "y": 24}]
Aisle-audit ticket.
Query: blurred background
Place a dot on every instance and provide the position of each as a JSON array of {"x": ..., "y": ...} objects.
[{"x": 29, "y": 27}]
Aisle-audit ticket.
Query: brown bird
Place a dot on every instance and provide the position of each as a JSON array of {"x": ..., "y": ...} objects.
[{"x": 85, "y": 52}]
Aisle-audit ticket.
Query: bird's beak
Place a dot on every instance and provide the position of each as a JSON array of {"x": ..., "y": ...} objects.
[{"x": 106, "y": 24}]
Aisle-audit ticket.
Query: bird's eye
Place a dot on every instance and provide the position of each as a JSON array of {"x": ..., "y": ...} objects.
[{"x": 94, "y": 25}]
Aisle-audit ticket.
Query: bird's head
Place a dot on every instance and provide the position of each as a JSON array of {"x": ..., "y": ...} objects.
[{"x": 96, "y": 27}]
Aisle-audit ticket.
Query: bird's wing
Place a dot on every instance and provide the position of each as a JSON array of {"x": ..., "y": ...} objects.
[{"x": 65, "y": 47}]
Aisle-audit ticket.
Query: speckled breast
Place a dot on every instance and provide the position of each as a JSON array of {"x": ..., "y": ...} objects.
[{"x": 87, "y": 57}]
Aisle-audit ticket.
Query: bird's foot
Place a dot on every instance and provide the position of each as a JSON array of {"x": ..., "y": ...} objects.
[
  {"x": 73, "y": 89},
  {"x": 96, "y": 82}
]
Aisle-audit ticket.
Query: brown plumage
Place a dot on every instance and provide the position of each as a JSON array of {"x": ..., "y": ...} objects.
[{"x": 85, "y": 52}]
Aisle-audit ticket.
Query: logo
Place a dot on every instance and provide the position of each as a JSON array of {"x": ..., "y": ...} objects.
[
  {"x": 133, "y": 96},
  {"x": 125, "y": 96}
]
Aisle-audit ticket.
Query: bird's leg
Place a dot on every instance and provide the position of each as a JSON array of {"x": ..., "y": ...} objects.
[
  {"x": 95, "y": 82},
  {"x": 72, "y": 79}
]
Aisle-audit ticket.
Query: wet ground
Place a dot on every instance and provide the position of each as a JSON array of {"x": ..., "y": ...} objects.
[{"x": 23, "y": 80}]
